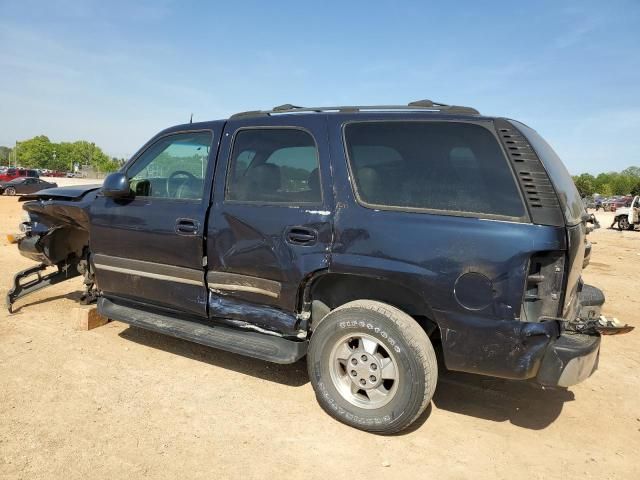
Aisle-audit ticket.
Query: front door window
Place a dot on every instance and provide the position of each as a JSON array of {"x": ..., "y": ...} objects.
[{"x": 174, "y": 167}]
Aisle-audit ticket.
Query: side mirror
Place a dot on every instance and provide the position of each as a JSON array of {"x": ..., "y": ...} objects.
[{"x": 116, "y": 185}]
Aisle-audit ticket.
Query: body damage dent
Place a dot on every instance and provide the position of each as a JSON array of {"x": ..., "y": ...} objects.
[
  {"x": 267, "y": 318},
  {"x": 501, "y": 348},
  {"x": 55, "y": 234}
]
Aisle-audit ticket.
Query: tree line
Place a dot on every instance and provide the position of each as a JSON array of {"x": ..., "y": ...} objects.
[
  {"x": 626, "y": 182},
  {"x": 40, "y": 152}
]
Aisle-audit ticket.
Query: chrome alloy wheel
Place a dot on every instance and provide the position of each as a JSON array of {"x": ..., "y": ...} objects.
[{"x": 364, "y": 371}]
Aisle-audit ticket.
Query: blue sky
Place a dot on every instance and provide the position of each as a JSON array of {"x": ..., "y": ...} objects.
[{"x": 117, "y": 72}]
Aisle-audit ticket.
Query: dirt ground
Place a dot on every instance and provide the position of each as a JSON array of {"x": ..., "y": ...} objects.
[{"x": 119, "y": 401}]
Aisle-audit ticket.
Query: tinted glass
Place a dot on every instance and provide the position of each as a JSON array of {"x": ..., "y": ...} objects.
[
  {"x": 274, "y": 166},
  {"x": 174, "y": 167},
  {"x": 443, "y": 166},
  {"x": 560, "y": 178}
]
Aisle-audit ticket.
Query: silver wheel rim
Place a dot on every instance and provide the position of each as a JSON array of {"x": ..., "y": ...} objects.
[
  {"x": 11, "y": 191},
  {"x": 624, "y": 223},
  {"x": 364, "y": 371}
]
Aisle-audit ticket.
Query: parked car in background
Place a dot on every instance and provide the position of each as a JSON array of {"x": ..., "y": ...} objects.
[
  {"x": 12, "y": 173},
  {"x": 620, "y": 203},
  {"x": 56, "y": 173},
  {"x": 589, "y": 202},
  {"x": 628, "y": 217},
  {"x": 24, "y": 185}
]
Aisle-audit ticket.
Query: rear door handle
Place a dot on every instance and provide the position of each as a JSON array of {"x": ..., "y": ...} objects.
[
  {"x": 187, "y": 226},
  {"x": 301, "y": 236}
]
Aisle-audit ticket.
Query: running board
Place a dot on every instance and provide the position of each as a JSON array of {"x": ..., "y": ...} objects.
[{"x": 251, "y": 344}]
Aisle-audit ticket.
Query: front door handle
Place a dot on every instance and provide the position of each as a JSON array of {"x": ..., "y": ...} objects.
[
  {"x": 301, "y": 236},
  {"x": 187, "y": 226}
]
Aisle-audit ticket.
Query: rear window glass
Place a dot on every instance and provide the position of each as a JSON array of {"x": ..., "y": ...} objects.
[{"x": 443, "y": 166}]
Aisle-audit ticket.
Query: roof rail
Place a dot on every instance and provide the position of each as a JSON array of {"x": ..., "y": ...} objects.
[{"x": 417, "y": 105}]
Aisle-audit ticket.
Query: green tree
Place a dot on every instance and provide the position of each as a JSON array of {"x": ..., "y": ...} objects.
[
  {"x": 36, "y": 152},
  {"x": 631, "y": 172},
  {"x": 585, "y": 184},
  {"x": 5, "y": 152},
  {"x": 605, "y": 189},
  {"x": 40, "y": 152}
]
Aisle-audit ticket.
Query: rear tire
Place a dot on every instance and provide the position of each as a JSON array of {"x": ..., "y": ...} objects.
[{"x": 372, "y": 366}]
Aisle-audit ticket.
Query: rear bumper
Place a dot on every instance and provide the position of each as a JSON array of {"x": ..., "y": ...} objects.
[
  {"x": 569, "y": 359},
  {"x": 543, "y": 351},
  {"x": 573, "y": 357}
]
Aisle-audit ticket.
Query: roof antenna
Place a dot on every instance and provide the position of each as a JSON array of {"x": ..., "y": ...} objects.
[{"x": 191, "y": 119}]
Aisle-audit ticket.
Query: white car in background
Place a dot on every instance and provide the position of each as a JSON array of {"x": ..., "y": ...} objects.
[{"x": 629, "y": 217}]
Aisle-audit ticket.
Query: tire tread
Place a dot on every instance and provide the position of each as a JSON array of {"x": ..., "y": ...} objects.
[{"x": 419, "y": 344}]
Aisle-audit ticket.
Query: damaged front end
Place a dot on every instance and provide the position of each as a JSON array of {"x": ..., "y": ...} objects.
[{"x": 55, "y": 233}]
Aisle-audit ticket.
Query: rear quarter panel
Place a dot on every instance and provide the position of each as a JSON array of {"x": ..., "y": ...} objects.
[{"x": 428, "y": 253}]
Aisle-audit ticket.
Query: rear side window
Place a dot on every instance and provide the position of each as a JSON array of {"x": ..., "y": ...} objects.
[
  {"x": 274, "y": 165},
  {"x": 434, "y": 166}
]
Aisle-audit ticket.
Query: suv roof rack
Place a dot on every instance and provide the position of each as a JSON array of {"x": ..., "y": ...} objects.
[{"x": 417, "y": 105}]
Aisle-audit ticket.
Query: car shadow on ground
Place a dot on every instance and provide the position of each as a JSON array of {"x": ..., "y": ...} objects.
[
  {"x": 524, "y": 404},
  {"x": 75, "y": 296},
  {"x": 293, "y": 375}
]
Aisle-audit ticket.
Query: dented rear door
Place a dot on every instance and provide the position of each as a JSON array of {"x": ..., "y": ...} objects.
[{"x": 271, "y": 222}]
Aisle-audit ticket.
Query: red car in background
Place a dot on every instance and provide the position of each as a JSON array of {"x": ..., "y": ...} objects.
[
  {"x": 621, "y": 202},
  {"x": 12, "y": 173}
]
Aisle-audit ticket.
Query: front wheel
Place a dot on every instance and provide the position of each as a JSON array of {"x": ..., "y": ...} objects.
[
  {"x": 372, "y": 366},
  {"x": 623, "y": 223},
  {"x": 10, "y": 191}
]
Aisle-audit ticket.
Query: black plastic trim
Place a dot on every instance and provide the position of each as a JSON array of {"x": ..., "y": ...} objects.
[{"x": 540, "y": 196}]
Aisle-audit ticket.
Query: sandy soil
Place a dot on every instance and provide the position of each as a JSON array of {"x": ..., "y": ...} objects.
[{"x": 119, "y": 401}]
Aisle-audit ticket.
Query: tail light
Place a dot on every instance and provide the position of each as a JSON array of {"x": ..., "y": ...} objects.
[{"x": 543, "y": 290}]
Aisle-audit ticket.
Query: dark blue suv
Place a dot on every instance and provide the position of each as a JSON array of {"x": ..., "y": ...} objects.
[{"x": 360, "y": 237}]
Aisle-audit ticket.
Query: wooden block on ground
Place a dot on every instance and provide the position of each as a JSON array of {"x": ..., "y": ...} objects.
[{"x": 87, "y": 318}]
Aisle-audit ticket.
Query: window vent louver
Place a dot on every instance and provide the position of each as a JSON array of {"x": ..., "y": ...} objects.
[{"x": 540, "y": 196}]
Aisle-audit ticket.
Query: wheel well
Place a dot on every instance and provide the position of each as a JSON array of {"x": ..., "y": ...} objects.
[{"x": 335, "y": 289}]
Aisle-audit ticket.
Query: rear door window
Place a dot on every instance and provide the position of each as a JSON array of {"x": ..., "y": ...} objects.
[
  {"x": 274, "y": 165},
  {"x": 448, "y": 167}
]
